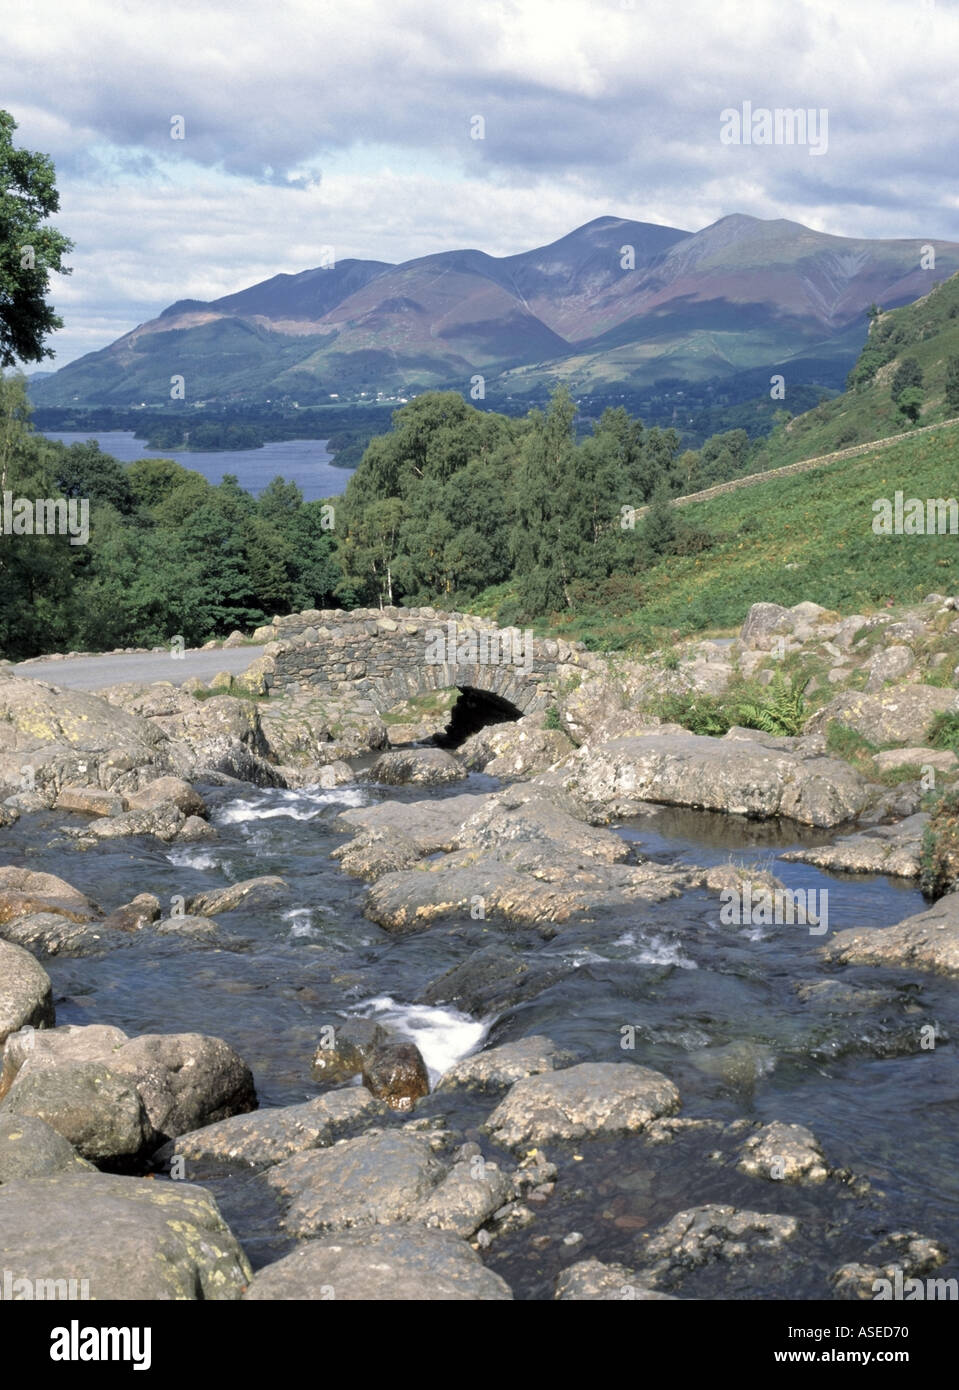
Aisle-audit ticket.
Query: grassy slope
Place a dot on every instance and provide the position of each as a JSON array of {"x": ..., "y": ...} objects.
[
  {"x": 927, "y": 330},
  {"x": 803, "y": 537}
]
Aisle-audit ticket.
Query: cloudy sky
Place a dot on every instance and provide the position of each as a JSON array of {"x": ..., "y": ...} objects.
[{"x": 309, "y": 124}]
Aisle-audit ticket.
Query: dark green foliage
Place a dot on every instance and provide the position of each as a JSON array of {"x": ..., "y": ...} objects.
[
  {"x": 952, "y": 385},
  {"x": 944, "y": 732},
  {"x": 939, "y": 854},
  {"x": 29, "y": 251},
  {"x": 782, "y": 710},
  {"x": 908, "y": 373}
]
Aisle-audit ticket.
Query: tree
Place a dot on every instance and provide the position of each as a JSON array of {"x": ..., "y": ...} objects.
[
  {"x": 910, "y": 403},
  {"x": 29, "y": 251},
  {"x": 908, "y": 374},
  {"x": 952, "y": 384}
]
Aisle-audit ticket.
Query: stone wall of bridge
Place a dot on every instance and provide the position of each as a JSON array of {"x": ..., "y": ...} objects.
[{"x": 391, "y": 654}]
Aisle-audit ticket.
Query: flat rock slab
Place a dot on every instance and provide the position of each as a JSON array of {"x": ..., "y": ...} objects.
[
  {"x": 270, "y": 1136},
  {"x": 433, "y": 826},
  {"x": 395, "y": 1263},
  {"x": 758, "y": 776},
  {"x": 377, "y": 1179},
  {"x": 131, "y": 1238},
  {"x": 26, "y": 995},
  {"x": 589, "y": 1099},
  {"x": 927, "y": 941},
  {"x": 884, "y": 849},
  {"x": 432, "y": 767},
  {"x": 502, "y": 1066}
]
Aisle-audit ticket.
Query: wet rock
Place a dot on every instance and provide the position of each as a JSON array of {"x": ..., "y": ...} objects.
[
  {"x": 269, "y": 1136},
  {"x": 374, "y": 853},
  {"x": 22, "y": 892},
  {"x": 593, "y": 1281},
  {"x": 784, "y": 1153},
  {"x": 703, "y": 1235},
  {"x": 390, "y": 1263},
  {"x": 189, "y": 926},
  {"x": 377, "y": 1179},
  {"x": 130, "y": 1238},
  {"x": 488, "y": 981},
  {"x": 467, "y": 1197},
  {"x": 501, "y": 1066},
  {"x": 91, "y": 801},
  {"x": 927, "y": 941},
  {"x": 429, "y": 767},
  {"x": 395, "y": 1072},
  {"x": 898, "y": 1258},
  {"x": 30, "y": 1148},
  {"x": 26, "y": 995},
  {"x": 346, "y": 1048},
  {"x": 527, "y": 823},
  {"x": 186, "y": 1080},
  {"x": 738, "y": 1064},
  {"x": 134, "y": 915},
  {"x": 746, "y": 773},
  {"x": 883, "y": 849},
  {"x": 900, "y": 715},
  {"x": 433, "y": 826},
  {"x": 592, "y": 1098},
  {"x": 251, "y": 893},
  {"x": 539, "y": 887},
  {"x": 166, "y": 790}
]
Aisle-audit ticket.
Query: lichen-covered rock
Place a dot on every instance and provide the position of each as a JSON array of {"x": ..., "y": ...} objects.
[
  {"x": 377, "y": 1179},
  {"x": 390, "y": 1263},
  {"x": 713, "y": 1232},
  {"x": 128, "y": 1238},
  {"x": 899, "y": 715},
  {"x": 269, "y": 1136},
  {"x": 592, "y": 1098},
  {"x": 501, "y": 1066},
  {"x": 593, "y": 1281},
  {"x": 466, "y": 1198},
  {"x": 784, "y": 1153},
  {"x": 428, "y": 767},
  {"x": 30, "y": 1148}
]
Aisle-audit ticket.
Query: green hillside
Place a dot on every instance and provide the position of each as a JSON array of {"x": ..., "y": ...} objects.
[
  {"x": 808, "y": 536},
  {"x": 926, "y": 332}
]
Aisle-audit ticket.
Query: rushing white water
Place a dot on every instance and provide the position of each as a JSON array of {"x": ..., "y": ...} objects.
[
  {"x": 443, "y": 1036},
  {"x": 306, "y": 803}
]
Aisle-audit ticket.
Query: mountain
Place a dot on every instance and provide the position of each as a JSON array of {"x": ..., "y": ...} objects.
[{"x": 615, "y": 301}]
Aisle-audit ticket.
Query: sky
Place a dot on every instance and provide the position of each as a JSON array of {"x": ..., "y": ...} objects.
[{"x": 353, "y": 126}]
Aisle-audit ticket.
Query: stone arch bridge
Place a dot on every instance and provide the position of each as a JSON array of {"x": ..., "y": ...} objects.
[{"x": 392, "y": 654}]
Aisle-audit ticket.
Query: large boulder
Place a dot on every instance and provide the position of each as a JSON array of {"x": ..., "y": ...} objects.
[
  {"x": 516, "y": 748},
  {"x": 427, "y": 767},
  {"x": 395, "y": 1072},
  {"x": 589, "y": 1099},
  {"x": 116, "y": 1097},
  {"x": 390, "y": 1263},
  {"x": 24, "y": 891},
  {"x": 745, "y": 773},
  {"x": 26, "y": 995},
  {"x": 119, "y": 1238},
  {"x": 899, "y": 715}
]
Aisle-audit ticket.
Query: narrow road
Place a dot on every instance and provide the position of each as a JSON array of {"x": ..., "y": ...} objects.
[{"x": 94, "y": 672}]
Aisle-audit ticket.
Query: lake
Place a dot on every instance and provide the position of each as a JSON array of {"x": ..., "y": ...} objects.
[{"x": 306, "y": 462}]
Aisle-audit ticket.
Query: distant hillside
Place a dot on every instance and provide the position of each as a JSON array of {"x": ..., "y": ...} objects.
[
  {"x": 926, "y": 332},
  {"x": 616, "y": 302}
]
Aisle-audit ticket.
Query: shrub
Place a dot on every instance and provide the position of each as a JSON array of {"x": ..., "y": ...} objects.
[
  {"x": 782, "y": 710},
  {"x": 939, "y": 855}
]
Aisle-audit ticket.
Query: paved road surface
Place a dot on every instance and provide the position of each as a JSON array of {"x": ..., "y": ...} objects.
[{"x": 94, "y": 672}]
